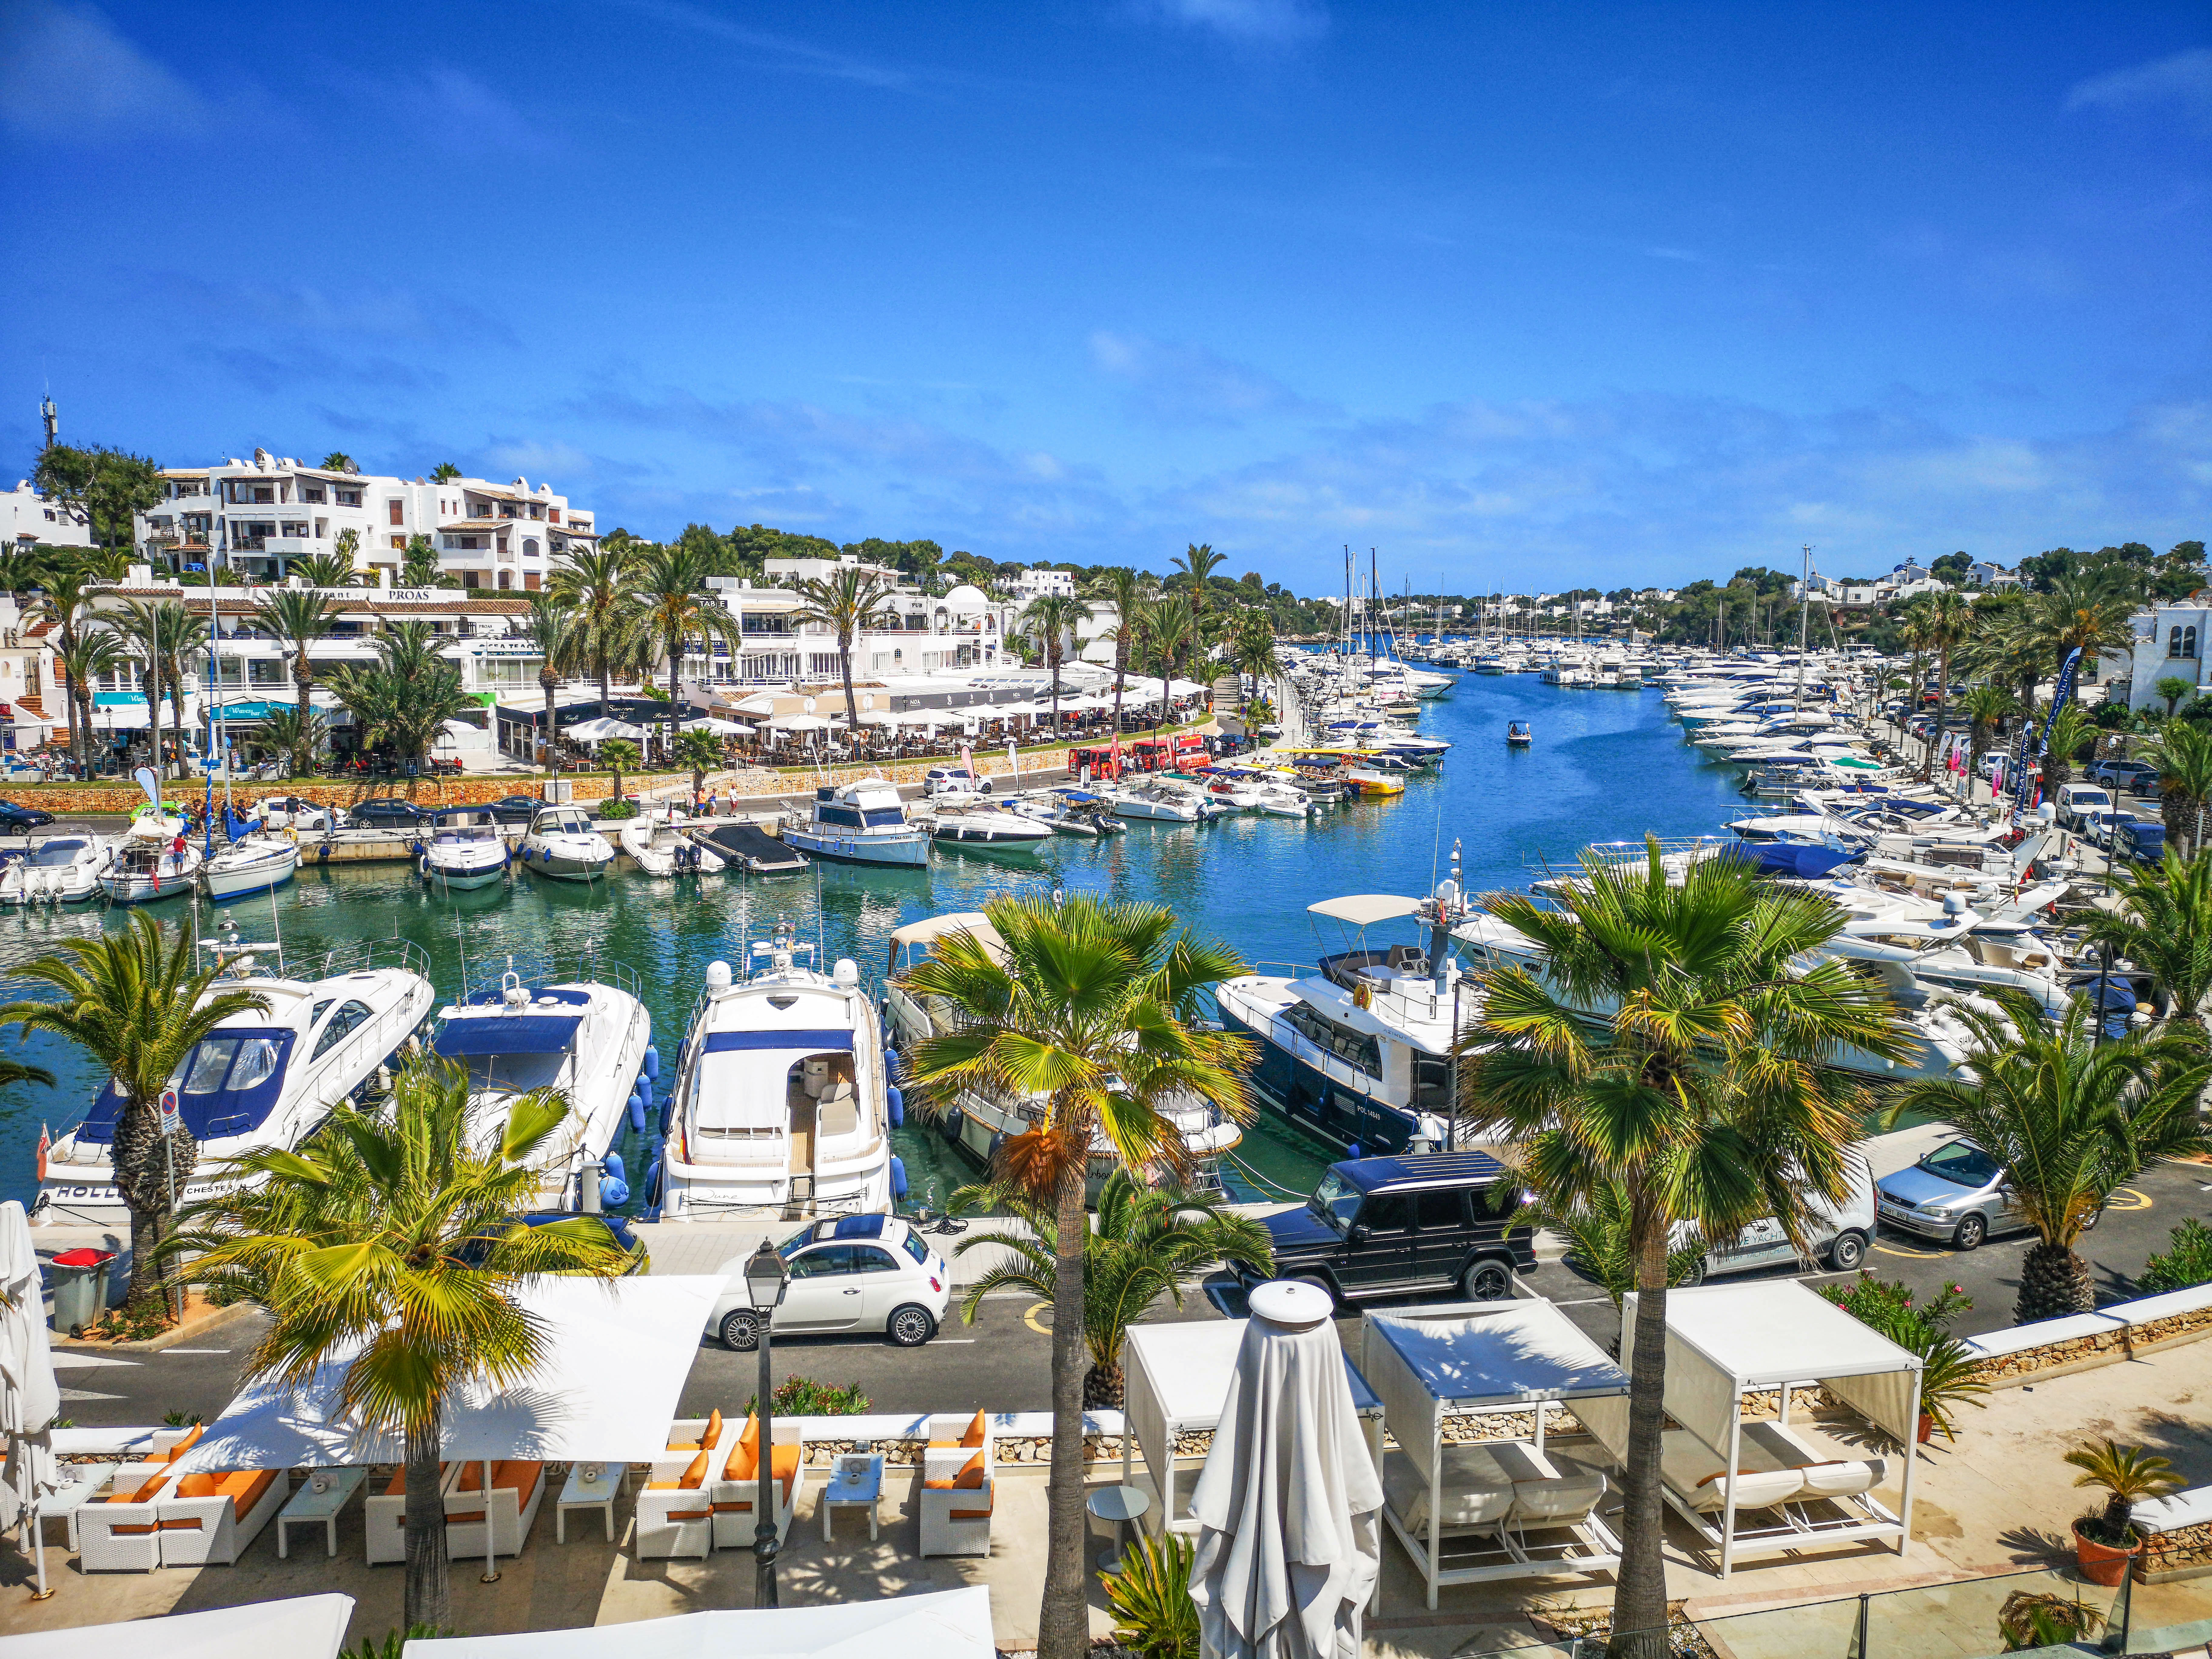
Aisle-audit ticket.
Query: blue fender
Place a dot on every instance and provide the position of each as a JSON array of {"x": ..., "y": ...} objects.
[
  {"x": 897, "y": 1103},
  {"x": 667, "y": 1115},
  {"x": 953, "y": 1120},
  {"x": 890, "y": 1062},
  {"x": 614, "y": 1191},
  {"x": 637, "y": 1114},
  {"x": 651, "y": 1063},
  {"x": 898, "y": 1179},
  {"x": 643, "y": 1090},
  {"x": 612, "y": 1163}
]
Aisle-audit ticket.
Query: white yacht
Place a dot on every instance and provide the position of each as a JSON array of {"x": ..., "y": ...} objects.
[
  {"x": 983, "y": 1118},
  {"x": 1359, "y": 1051},
  {"x": 990, "y": 828},
  {"x": 1069, "y": 812},
  {"x": 260, "y": 863},
  {"x": 153, "y": 860},
  {"x": 782, "y": 1108},
  {"x": 258, "y": 1080},
  {"x": 1154, "y": 798},
  {"x": 658, "y": 842},
  {"x": 561, "y": 843},
  {"x": 588, "y": 1036},
  {"x": 861, "y": 822},
  {"x": 60, "y": 870},
  {"x": 463, "y": 850}
]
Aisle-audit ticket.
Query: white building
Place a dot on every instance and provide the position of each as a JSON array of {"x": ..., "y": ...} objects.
[
  {"x": 256, "y": 517},
  {"x": 1035, "y": 584},
  {"x": 2170, "y": 642},
  {"x": 27, "y": 517},
  {"x": 786, "y": 573}
]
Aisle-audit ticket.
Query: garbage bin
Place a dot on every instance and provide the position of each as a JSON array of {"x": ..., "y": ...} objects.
[{"x": 80, "y": 1282}]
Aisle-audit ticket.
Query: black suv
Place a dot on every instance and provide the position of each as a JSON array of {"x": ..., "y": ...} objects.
[{"x": 1381, "y": 1226}]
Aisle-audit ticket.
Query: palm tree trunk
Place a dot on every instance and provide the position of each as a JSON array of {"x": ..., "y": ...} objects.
[
  {"x": 1943, "y": 699},
  {"x": 546, "y": 684},
  {"x": 2054, "y": 1282},
  {"x": 304, "y": 677},
  {"x": 1639, "y": 1602},
  {"x": 426, "y": 1599},
  {"x": 852, "y": 705},
  {"x": 1064, "y": 1618}
]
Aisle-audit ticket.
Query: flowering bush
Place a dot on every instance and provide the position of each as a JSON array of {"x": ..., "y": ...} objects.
[{"x": 1890, "y": 1307}]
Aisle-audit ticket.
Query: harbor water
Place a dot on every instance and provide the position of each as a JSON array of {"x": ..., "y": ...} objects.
[{"x": 1604, "y": 765}]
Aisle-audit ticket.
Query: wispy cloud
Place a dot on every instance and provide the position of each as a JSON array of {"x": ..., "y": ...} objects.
[
  {"x": 454, "y": 111},
  {"x": 1247, "y": 22},
  {"x": 776, "y": 51},
  {"x": 2182, "y": 83},
  {"x": 66, "y": 73},
  {"x": 1177, "y": 383}
]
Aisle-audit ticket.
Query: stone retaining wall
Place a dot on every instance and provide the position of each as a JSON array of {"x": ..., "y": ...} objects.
[
  {"x": 2076, "y": 1351},
  {"x": 2184, "y": 1553}
]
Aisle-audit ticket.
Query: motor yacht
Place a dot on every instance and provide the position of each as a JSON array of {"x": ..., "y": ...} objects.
[
  {"x": 463, "y": 850},
  {"x": 561, "y": 844},
  {"x": 660, "y": 844},
  {"x": 257, "y": 863},
  {"x": 991, "y": 829},
  {"x": 780, "y": 1107},
  {"x": 1080, "y": 812},
  {"x": 982, "y": 1117},
  {"x": 60, "y": 870},
  {"x": 1157, "y": 799},
  {"x": 586, "y": 1033},
  {"x": 260, "y": 1080},
  {"x": 861, "y": 822}
]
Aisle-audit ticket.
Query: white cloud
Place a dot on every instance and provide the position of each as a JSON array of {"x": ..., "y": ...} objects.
[
  {"x": 2183, "y": 82},
  {"x": 1253, "y": 22},
  {"x": 1178, "y": 384},
  {"x": 67, "y": 74},
  {"x": 456, "y": 112}
]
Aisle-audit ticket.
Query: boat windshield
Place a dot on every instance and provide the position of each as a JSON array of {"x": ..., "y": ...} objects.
[
  {"x": 1336, "y": 1200},
  {"x": 880, "y": 817},
  {"x": 232, "y": 1062},
  {"x": 54, "y": 853}
]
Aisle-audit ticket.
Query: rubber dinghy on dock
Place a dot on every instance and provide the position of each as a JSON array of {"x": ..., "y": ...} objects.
[{"x": 751, "y": 847}]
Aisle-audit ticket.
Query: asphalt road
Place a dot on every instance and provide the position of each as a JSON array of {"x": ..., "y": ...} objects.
[{"x": 1003, "y": 1361}]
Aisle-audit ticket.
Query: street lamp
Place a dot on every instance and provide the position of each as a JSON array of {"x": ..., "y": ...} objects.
[{"x": 766, "y": 1278}]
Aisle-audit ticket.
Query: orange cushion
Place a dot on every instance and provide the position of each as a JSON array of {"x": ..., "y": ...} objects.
[
  {"x": 714, "y": 1427},
  {"x": 134, "y": 1531},
  {"x": 976, "y": 1432},
  {"x": 184, "y": 1445},
  {"x": 399, "y": 1486},
  {"x": 783, "y": 1464},
  {"x": 519, "y": 1476},
  {"x": 199, "y": 1486},
  {"x": 967, "y": 1514},
  {"x": 696, "y": 1476},
  {"x": 244, "y": 1488},
  {"x": 743, "y": 1462},
  {"x": 691, "y": 1514},
  {"x": 144, "y": 1494},
  {"x": 972, "y": 1477},
  {"x": 751, "y": 1434}
]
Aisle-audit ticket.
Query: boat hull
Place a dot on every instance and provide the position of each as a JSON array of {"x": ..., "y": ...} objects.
[
  {"x": 468, "y": 876},
  {"x": 263, "y": 876},
  {"x": 906, "y": 851},
  {"x": 145, "y": 889},
  {"x": 1300, "y": 1093}
]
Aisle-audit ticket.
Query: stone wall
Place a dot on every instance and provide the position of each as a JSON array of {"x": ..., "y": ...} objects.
[{"x": 2075, "y": 1351}]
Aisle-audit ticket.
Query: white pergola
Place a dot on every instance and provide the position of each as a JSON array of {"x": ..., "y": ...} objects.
[
  {"x": 1726, "y": 1341},
  {"x": 1175, "y": 1378},
  {"x": 1471, "y": 1516},
  {"x": 941, "y": 1624}
]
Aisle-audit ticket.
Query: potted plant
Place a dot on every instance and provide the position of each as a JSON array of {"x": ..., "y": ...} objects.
[
  {"x": 2037, "y": 1619},
  {"x": 2104, "y": 1543},
  {"x": 1149, "y": 1597}
]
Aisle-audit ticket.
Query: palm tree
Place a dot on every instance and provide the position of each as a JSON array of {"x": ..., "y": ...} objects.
[
  {"x": 411, "y": 694},
  {"x": 333, "y": 570},
  {"x": 2069, "y": 1115},
  {"x": 83, "y": 661},
  {"x": 1252, "y": 649},
  {"x": 1090, "y": 1009},
  {"x": 1146, "y": 1240},
  {"x": 1599, "y": 1232},
  {"x": 445, "y": 472},
  {"x": 14, "y": 1071},
  {"x": 2163, "y": 925},
  {"x": 2068, "y": 729},
  {"x": 165, "y": 636},
  {"x": 66, "y": 586},
  {"x": 552, "y": 627},
  {"x": 846, "y": 600},
  {"x": 396, "y": 1241},
  {"x": 2173, "y": 688},
  {"x": 619, "y": 753},
  {"x": 1167, "y": 625},
  {"x": 1985, "y": 707},
  {"x": 338, "y": 461},
  {"x": 702, "y": 752},
  {"x": 2128, "y": 1475},
  {"x": 1949, "y": 620},
  {"x": 1054, "y": 617},
  {"x": 419, "y": 567},
  {"x": 1196, "y": 565},
  {"x": 1125, "y": 590},
  {"x": 670, "y": 582},
  {"x": 1671, "y": 1050},
  {"x": 137, "y": 1004},
  {"x": 2182, "y": 751},
  {"x": 594, "y": 583},
  {"x": 298, "y": 618},
  {"x": 280, "y": 729}
]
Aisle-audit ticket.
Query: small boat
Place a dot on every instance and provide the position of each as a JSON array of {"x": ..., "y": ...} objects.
[
  {"x": 60, "y": 870},
  {"x": 259, "y": 863},
  {"x": 989, "y": 827},
  {"x": 1155, "y": 799},
  {"x": 463, "y": 850},
  {"x": 1517, "y": 734},
  {"x": 155, "y": 860},
  {"x": 563, "y": 844},
  {"x": 861, "y": 822},
  {"x": 1069, "y": 811},
  {"x": 660, "y": 844}
]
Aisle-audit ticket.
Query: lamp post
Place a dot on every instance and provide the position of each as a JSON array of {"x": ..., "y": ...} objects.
[{"x": 766, "y": 1278}]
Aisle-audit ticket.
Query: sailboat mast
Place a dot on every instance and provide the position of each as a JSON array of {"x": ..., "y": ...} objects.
[{"x": 1804, "y": 619}]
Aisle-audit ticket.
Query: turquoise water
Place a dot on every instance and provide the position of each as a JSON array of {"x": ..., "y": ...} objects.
[{"x": 1605, "y": 765}]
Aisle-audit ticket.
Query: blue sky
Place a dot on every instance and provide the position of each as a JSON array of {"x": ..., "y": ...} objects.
[{"x": 1520, "y": 295}]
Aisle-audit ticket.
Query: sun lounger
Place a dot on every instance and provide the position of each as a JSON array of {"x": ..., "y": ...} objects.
[
  {"x": 211, "y": 1518},
  {"x": 119, "y": 1529},
  {"x": 959, "y": 1477},
  {"x": 2192, "y": 1508},
  {"x": 676, "y": 1516},
  {"x": 736, "y": 1493},
  {"x": 1476, "y": 1494},
  {"x": 518, "y": 1486},
  {"x": 384, "y": 1515}
]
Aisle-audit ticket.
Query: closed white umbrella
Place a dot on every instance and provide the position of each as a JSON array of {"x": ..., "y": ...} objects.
[
  {"x": 799, "y": 723},
  {"x": 1287, "y": 1550},
  {"x": 718, "y": 728},
  {"x": 29, "y": 1396}
]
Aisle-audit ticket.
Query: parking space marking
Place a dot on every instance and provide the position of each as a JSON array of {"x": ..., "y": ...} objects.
[
  {"x": 1916, "y": 1256},
  {"x": 2137, "y": 1200},
  {"x": 1041, "y": 1326}
]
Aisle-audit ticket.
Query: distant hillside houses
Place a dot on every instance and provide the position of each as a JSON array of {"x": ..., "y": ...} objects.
[{"x": 1909, "y": 578}]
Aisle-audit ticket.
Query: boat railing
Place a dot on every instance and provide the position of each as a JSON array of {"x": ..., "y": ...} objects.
[
  {"x": 482, "y": 977},
  {"x": 1676, "y": 853},
  {"x": 366, "y": 956}
]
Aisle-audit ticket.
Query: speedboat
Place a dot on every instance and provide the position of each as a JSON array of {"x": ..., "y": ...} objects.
[
  {"x": 989, "y": 827},
  {"x": 982, "y": 1117},
  {"x": 1069, "y": 811},
  {"x": 1517, "y": 735},
  {"x": 259, "y": 1081},
  {"x": 1155, "y": 798},
  {"x": 589, "y": 1038},
  {"x": 780, "y": 1108},
  {"x": 561, "y": 843},
  {"x": 464, "y": 849},
  {"x": 861, "y": 822},
  {"x": 155, "y": 859},
  {"x": 1359, "y": 1051},
  {"x": 660, "y": 844},
  {"x": 60, "y": 870},
  {"x": 258, "y": 863}
]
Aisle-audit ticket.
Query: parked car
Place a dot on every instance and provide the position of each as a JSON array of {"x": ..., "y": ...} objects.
[
  {"x": 2077, "y": 801},
  {"x": 1957, "y": 1195},
  {"x": 2140, "y": 839},
  {"x": 1381, "y": 1226},
  {"x": 387, "y": 812},
  {"x": 21, "y": 820},
  {"x": 512, "y": 809},
  {"x": 2128, "y": 776},
  {"x": 1840, "y": 1234},
  {"x": 858, "y": 1273}
]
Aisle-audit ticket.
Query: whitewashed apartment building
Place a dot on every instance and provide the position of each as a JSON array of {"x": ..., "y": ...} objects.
[
  {"x": 27, "y": 517},
  {"x": 255, "y": 518}
]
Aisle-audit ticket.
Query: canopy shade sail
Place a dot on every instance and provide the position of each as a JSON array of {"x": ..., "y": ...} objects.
[
  {"x": 798, "y": 723},
  {"x": 616, "y": 1354},
  {"x": 929, "y": 929},
  {"x": 941, "y": 1624},
  {"x": 300, "y": 1627},
  {"x": 718, "y": 728},
  {"x": 1364, "y": 909},
  {"x": 601, "y": 731}
]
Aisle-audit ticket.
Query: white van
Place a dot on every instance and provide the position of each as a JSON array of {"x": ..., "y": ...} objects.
[
  {"x": 2077, "y": 802},
  {"x": 1840, "y": 1232}
]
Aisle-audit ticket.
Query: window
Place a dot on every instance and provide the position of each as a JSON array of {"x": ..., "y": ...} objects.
[
  {"x": 2181, "y": 643},
  {"x": 346, "y": 497},
  {"x": 398, "y": 512},
  {"x": 349, "y": 1015},
  {"x": 820, "y": 1263},
  {"x": 867, "y": 1259},
  {"x": 469, "y": 578},
  {"x": 529, "y": 547},
  {"x": 915, "y": 1248},
  {"x": 506, "y": 578},
  {"x": 1439, "y": 1212},
  {"x": 1385, "y": 1212},
  {"x": 1432, "y": 1084},
  {"x": 530, "y": 581},
  {"x": 400, "y": 543},
  {"x": 1355, "y": 1049},
  {"x": 312, "y": 493}
]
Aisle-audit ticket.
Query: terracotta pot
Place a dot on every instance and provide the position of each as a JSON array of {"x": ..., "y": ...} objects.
[
  {"x": 2101, "y": 1564},
  {"x": 1926, "y": 1429}
]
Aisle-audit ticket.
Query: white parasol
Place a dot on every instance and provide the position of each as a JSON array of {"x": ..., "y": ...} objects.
[
  {"x": 601, "y": 731},
  {"x": 1287, "y": 1504},
  {"x": 29, "y": 1396},
  {"x": 717, "y": 728}
]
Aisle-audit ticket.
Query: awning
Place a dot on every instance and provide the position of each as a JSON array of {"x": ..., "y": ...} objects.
[
  {"x": 723, "y": 1042},
  {"x": 1363, "y": 910},
  {"x": 300, "y": 1627},
  {"x": 1780, "y": 858},
  {"x": 941, "y": 1624},
  {"x": 929, "y": 929},
  {"x": 507, "y": 1034}
]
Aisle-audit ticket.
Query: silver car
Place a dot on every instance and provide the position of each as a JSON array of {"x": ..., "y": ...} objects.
[{"x": 1957, "y": 1193}]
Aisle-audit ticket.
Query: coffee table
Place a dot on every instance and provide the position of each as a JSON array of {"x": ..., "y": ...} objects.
[
  {"x": 307, "y": 1505},
  {"x": 582, "y": 1494},
  {"x": 1121, "y": 1505},
  {"x": 863, "y": 1491}
]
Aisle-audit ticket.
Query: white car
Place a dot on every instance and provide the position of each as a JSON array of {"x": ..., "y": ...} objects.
[{"x": 857, "y": 1273}]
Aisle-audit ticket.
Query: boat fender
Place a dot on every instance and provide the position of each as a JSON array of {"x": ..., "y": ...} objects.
[
  {"x": 991, "y": 1156},
  {"x": 652, "y": 1174},
  {"x": 898, "y": 1179},
  {"x": 952, "y": 1123},
  {"x": 897, "y": 1103},
  {"x": 614, "y": 1191},
  {"x": 653, "y": 1062},
  {"x": 667, "y": 1115},
  {"x": 643, "y": 1089},
  {"x": 890, "y": 1060},
  {"x": 613, "y": 1164},
  {"x": 637, "y": 1114}
]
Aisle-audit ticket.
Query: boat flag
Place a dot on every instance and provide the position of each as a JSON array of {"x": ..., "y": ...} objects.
[{"x": 46, "y": 1140}]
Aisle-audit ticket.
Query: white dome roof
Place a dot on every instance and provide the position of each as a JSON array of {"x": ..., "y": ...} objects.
[{"x": 967, "y": 597}]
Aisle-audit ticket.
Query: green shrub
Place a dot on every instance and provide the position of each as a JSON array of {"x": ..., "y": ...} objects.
[
  {"x": 1890, "y": 1310},
  {"x": 802, "y": 1396},
  {"x": 612, "y": 810},
  {"x": 1150, "y": 1598},
  {"x": 2187, "y": 1261},
  {"x": 394, "y": 1644}
]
